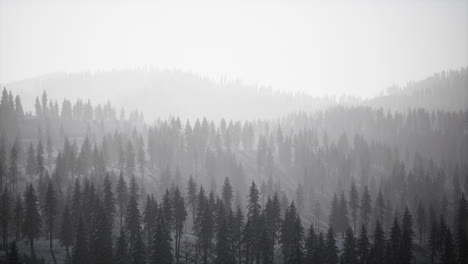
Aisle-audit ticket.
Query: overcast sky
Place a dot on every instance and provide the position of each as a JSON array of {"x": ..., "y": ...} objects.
[{"x": 320, "y": 47}]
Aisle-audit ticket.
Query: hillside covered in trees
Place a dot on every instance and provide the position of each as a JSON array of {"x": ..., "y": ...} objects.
[{"x": 85, "y": 183}]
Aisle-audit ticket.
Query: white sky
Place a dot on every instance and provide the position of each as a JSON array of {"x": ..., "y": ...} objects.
[{"x": 320, "y": 47}]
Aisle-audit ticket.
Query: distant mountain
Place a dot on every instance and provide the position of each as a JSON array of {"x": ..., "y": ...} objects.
[
  {"x": 159, "y": 94},
  {"x": 443, "y": 91}
]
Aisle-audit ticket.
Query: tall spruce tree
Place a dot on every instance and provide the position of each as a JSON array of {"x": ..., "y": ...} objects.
[
  {"x": 161, "y": 252},
  {"x": 32, "y": 217},
  {"x": 292, "y": 235},
  {"x": 349, "y": 255},
  {"x": 331, "y": 250},
  {"x": 121, "y": 249},
  {"x": 66, "y": 232},
  {"x": 50, "y": 210},
  {"x": 407, "y": 235},
  {"x": 354, "y": 203}
]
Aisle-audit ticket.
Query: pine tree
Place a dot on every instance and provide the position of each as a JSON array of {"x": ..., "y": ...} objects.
[
  {"x": 354, "y": 203},
  {"x": 66, "y": 232},
  {"x": 133, "y": 220},
  {"x": 138, "y": 252},
  {"x": 14, "y": 166},
  {"x": 180, "y": 214},
  {"x": 109, "y": 200},
  {"x": 121, "y": 250},
  {"x": 101, "y": 238},
  {"x": 462, "y": 230},
  {"x": 447, "y": 255},
  {"x": 343, "y": 215},
  {"x": 224, "y": 254},
  {"x": 31, "y": 161},
  {"x": 32, "y": 217},
  {"x": 378, "y": 247},
  {"x": 237, "y": 228},
  {"x": 407, "y": 238},
  {"x": 13, "y": 256},
  {"x": 366, "y": 208},
  {"x": 18, "y": 217},
  {"x": 393, "y": 253},
  {"x": 227, "y": 194},
  {"x": 421, "y": 221},
  {"x": 292, "y": 234},
  {"x": 363, "y": 247},
  {"x": 331, "y": 250},
  {"x": 80, "y": 253},
  {"x": 192, "y": 196},
  {"x": 40, "y": 158},
  {"x": 162, "y": 251},
  {"x": 5, "y": 214},
  {"x": 50, "y": 210},
  {"x": 334, "y": 218},
  {"x": 349, "y": 255},
  {"x": 122, "y": 197},
  {"x": 311, "y": 245}
]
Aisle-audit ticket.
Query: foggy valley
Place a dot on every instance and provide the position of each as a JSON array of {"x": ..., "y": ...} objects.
[{"x": 181, "y": 164}]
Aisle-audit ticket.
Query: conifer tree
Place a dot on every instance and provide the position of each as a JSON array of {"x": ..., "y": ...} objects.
[
  {"x": 363, "y": 247},
  {"x": 366, "y": 208},
  {"x": 133, "y": 220},
  {"x": 310, "y": 245},
  {"x": 331, "y": 250},
  {"x": 407, "y": 234},
  {"x": 50, "y": 210},
  {"x": 192, "y": 196},
  {"x": 162, "y": 251},
  {"x": 180, "y": 214},
  {"x": 292, "y": 234},
  {"x": 223, "y": 232},
  {"x": 334, "y": 218},
  {"x": 462, "y": 230},
  {"x": 80, "y": 253},
  {"x": 349, "y": 255},
  {"x": 32, "y": 217},
  {"x": 13, "y": 256},
  {"x": 31, "y": 161},
  {"x": 343, "y": 215},
  {"x": 66, "y": 232},
  {"x": 5, "y": 214},
  {"x": 101, "y": 237},
  {"x": 394, "y": 247},
  {"x": 40, "y": 158},
  {"x": 18, "y": 217},
  {"x": 227, "y": 194},
  {"x": 109, "y": 200},
  {"x": 447, "y": 255},
  {"x": 354, "y": 203},
  {"x": 138, "y": 252},
  {"x": 122, "y": 197},
  {"x": 421, "y": 221},
  {"x": 378, "y": 247},
  {"x": 121, "y": 250}
]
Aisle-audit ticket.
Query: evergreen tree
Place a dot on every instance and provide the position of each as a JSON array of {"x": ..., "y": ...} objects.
[
  {"x": 122, "y": 197},
  {"x": 50, "y": 210},
  {"x": 363, "y": 247},
  {"x": 40, "y": 158},
  {"x": 13, "y": 256},
  {"x": 32, "y": 217},
  {"x": 343, "y": 215},
  {"x": 101, "y": 237},
  {"x": 447, "y": 255},
  {"x": 109, "y": 200},
  {"x": 292, "y": 234},
  {"x": 349, "y": 255},
  {"x": 334, "y": 218},
  {"x": 407, "y": 234},
  {"x": 192, "y": 196},
  {"x": 366, "y": 208},
  {"x": 133, "y": 220},
  {"x": 393, "y": 253},
  {"x": 421, "y": 221},
  {"x": 138, "y": 253},
  {"x": 18, "y": 217},
  {"x": 311, "y": 245},
  {"x": 66, "y": 232},
  {"x": 5, "y": 215},
  {"x": 224, "y": 253},
  {"x": 354, "y": 203},
  {"x": 180, "y": 214},
  {"x": 331, "y": 250},
  {"x": 31, "y": 161},
  {"x": 378, "y": 247},
  {"x": 227, "y": 194},
  {"x": 462, "y": 230},
  {"x": 80, "y": 253},
  {"x": 162, "y": 251},
  {"x": 121, "y": 250},
  {"x": 237, "y": 228}
]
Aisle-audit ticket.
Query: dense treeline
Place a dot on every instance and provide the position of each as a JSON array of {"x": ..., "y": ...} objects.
[{"x": 350, "y": 185}]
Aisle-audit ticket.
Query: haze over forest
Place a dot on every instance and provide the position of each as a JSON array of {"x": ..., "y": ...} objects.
[{"x": 236, "y": 133}]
